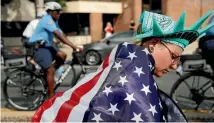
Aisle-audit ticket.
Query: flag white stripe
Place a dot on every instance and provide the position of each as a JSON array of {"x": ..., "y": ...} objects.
[{"x": 77, "y": 114}]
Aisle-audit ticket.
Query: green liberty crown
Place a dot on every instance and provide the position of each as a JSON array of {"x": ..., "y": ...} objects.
[{"x": 164, "y": 27}]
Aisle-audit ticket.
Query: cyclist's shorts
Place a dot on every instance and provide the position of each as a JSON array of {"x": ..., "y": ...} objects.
[{"x": 45, "y": 56}]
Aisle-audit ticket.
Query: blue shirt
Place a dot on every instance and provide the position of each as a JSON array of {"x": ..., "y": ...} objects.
[{"x": 44, "y": 30}]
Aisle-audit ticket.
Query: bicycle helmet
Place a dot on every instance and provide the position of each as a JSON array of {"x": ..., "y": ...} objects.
[
  {"x": 165, "y": 28},
  {"x": 53, "y": 6}
]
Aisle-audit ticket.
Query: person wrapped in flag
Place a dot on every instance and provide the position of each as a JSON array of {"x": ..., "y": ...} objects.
[{"x": 123, "y": 88}]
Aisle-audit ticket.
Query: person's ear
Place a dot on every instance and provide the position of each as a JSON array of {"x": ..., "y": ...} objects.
[{"x": 152, "y": 44}]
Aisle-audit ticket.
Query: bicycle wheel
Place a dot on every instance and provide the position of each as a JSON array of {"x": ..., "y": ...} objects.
[
  {"x": 194, "y": 91},
  {"x": 24, "y": 90}
]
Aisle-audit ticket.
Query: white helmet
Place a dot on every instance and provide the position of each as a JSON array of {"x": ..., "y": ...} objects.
[{"x": 53, "y": 6}]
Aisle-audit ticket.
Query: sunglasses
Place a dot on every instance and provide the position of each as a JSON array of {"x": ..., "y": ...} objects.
[
  {"x": 175, "y": 58},
  {"x": 57, "y": 11}
]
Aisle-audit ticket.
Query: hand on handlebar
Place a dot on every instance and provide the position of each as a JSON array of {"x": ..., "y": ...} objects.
[{"x": 79, "y": 49}]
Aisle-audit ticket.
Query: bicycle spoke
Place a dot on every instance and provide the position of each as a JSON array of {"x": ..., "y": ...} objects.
[
  {"x": 193, "y": 81},
  {"x": 188, "y": 86},
  {"x": 198, "y": 82},
  {"x": 183, "y": 97},
  {"x": 205, "y": 87},
  {"x": 209, "y": 98}
]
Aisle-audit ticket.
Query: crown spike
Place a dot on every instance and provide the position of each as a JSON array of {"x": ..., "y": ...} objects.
[
  {"x": 180, "y": 23},
  {"x": 142, "y": 16},
  {"x": 205, "y": 29},
  {"x": 198, "y": 24},
  {"x": 157, "y": 30}
]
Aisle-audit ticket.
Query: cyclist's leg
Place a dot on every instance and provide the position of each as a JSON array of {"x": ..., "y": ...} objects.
[
  {"x": 59, "y": 56},
  {"x": 44, "y": 58},
  {"x": 50, "y": 80}
]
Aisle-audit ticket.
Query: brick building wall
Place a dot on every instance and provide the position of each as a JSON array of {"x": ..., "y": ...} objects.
[
  {"x": 194, "y": 9},
  {"x": 132, "y": 9}
]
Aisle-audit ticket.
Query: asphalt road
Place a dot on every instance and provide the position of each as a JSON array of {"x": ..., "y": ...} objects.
[{"x": 165, "y": 83}]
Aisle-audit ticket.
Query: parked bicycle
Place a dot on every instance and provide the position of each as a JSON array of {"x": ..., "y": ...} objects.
[
  {"x": 25, "y": 89},
  {"x": 194, "y": 90}
]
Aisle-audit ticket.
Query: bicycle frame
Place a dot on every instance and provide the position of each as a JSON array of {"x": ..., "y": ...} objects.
[{"x": 71, "y": 64}]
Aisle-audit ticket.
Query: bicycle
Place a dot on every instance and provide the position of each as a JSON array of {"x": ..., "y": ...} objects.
[
  {"x": 190, "y": 94},
  {"x": 32, "y": 85}
]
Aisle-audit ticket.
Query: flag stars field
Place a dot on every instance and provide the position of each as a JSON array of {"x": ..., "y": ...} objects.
[
  {"x": 152, "y": 109},
  {"x": 107, "y": 90},
  {"x": 97, "y": 117},
  {"x": 139, "y": 71},
  {"x": 131, "y": 55},
  {"x": 146, "y": 51},
  {"x": 137, "y": 118},
  {"x": 123, "y": 80},
  {"x": 113, "y": 108},
  {"x": 130, "y": 98},
  {"x": 117, "y": 65},
  {"x": 125, "y": 44},
  {"x": 146, "y": 89}
]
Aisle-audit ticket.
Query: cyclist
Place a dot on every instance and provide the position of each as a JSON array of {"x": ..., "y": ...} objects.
[{"x": 47, "y": 52}]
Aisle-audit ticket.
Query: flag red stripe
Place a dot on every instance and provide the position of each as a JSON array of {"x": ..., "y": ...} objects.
[
  {"x": 67, "y": 107},
  {"x": 47, "y": 104}
]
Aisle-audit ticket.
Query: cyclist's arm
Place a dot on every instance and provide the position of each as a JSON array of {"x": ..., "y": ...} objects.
[
  {"x": 51, "y": 26},
  {"x": 63, "y": 39}
]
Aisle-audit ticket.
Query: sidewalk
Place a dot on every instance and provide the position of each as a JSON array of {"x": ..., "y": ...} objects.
[{"x": 8, "y": 115}]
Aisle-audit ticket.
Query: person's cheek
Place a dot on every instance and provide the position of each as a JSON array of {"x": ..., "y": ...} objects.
[
  {"x": 163, "y": 63},
  {"x": 159, "y": 74}
]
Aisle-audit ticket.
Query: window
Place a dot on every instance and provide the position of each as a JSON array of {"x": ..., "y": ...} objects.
[
  {"x": 152, "y": 5},
  {"x": 13, "y": 28},
  {"x": 74, "y": 24}
]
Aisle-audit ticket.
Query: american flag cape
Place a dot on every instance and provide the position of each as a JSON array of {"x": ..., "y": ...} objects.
[{"x": 122, "y": 90}]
